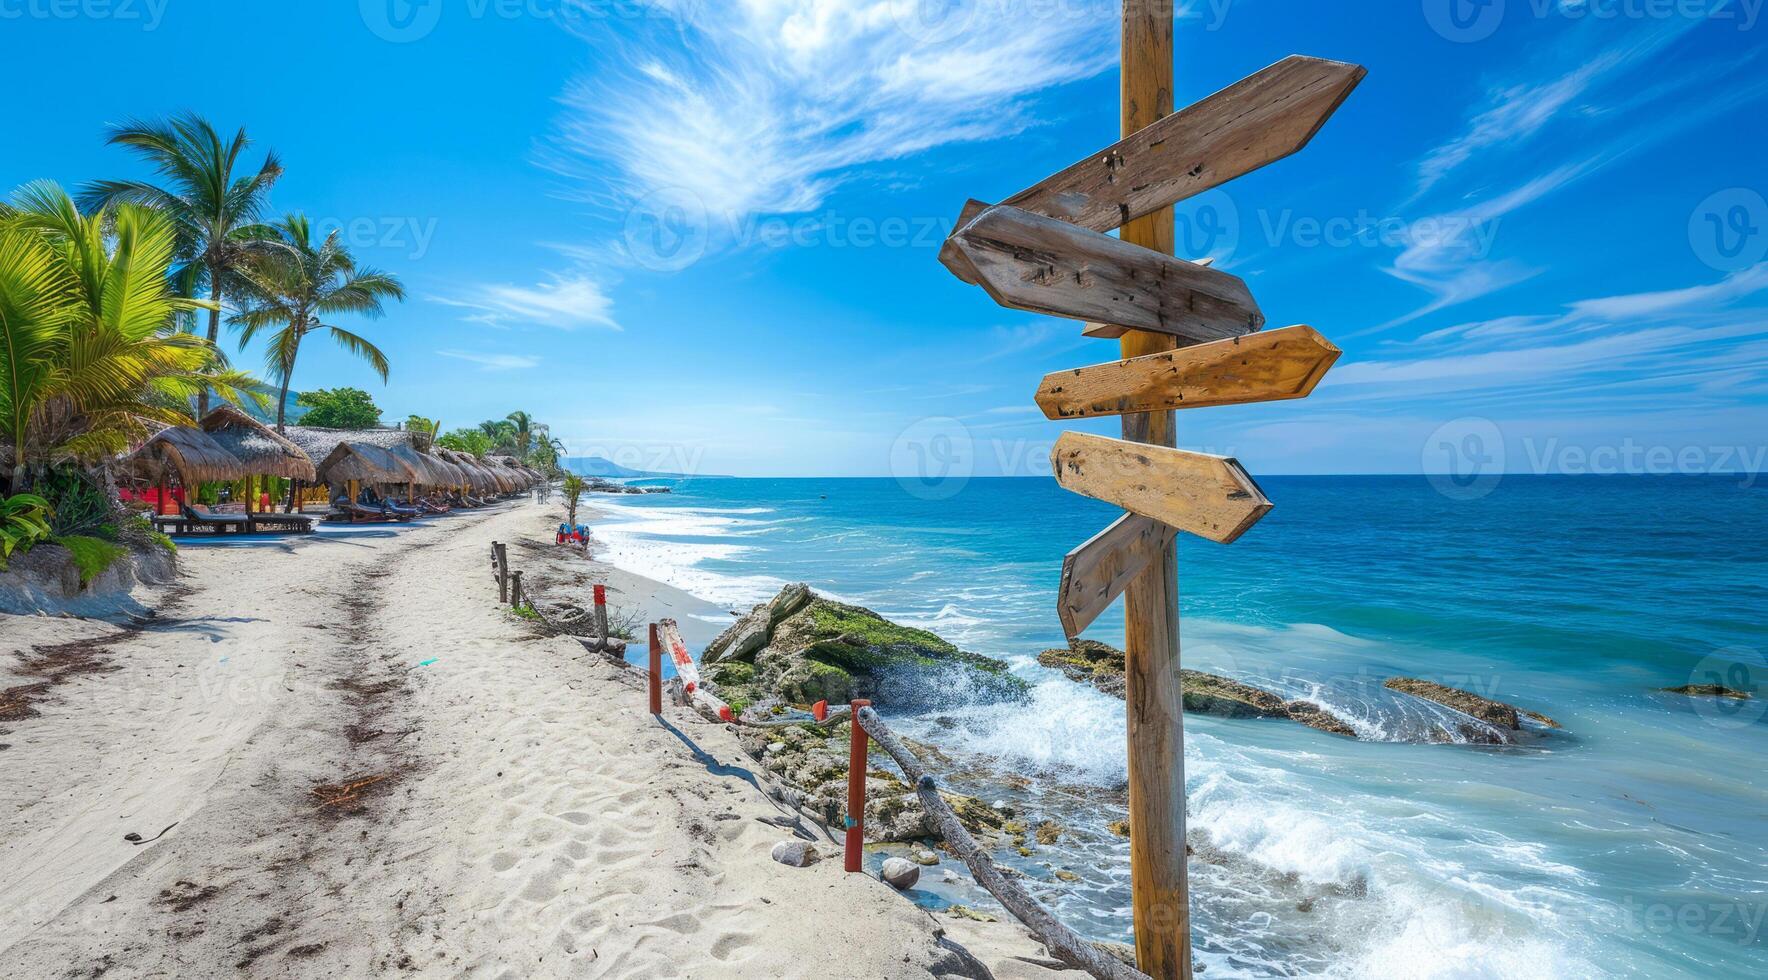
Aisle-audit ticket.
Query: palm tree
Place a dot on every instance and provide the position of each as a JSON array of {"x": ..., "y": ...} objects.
[
  {"x": 499, "y": 433},
  {"x": 215, "y": 213},
  {"x": 521, "y": 431},
  {"x": 89, "y": 349},
  {"x": 573, "y": 487},
  {"x": 295, "y": 289}
]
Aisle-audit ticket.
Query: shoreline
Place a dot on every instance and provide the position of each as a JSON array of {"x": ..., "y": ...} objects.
[{"x": 358, "y": 758}]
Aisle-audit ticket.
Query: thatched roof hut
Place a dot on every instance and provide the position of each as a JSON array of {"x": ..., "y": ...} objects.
[
  {"x": 256, "y": 446},
  {"x": 477, "y": 476},
  {"x": 191, "y": 453},
  {"x": 366, "y": 463},
  {"x": 431, "y": 472}
]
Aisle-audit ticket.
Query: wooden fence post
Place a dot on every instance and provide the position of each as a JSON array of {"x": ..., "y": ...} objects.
[
  {"x": 601, "y": 613},
  {"x": 656, "y": 672},
  {"x": 500, "y": 557},
  {"x": 856, "y": 788},
  {"x": 516, "y": 590}
]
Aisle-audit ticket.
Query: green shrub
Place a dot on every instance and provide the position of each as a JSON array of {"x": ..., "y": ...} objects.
[
  {"x": 24, "y": 521},
  {"x": 80, "y": 503},
  {"x": 91, "y": 555}
]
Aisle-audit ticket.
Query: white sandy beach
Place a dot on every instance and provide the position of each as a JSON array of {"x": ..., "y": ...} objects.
[{"x": 519, "y": 814}]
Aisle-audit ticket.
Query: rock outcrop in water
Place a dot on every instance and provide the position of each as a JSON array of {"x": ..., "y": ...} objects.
[
  {"x": 1488, "y": 723},
  {"x": 1505, "y": 717},
  {"x": 801, "y": 648},
  {"x": 1707, "y": 691},
  {"x": 1101, "y": 665}
]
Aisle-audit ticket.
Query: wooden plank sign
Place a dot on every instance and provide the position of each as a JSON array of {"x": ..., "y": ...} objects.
[
  {"x": 1095, "y": 574},
  {"x": 1271, "y": 366},
  {"x": 1250, "y": 124},
  {"x": 1212, "y": 497},
  {"x": 1111, "y": 331},
  {"x": 1026, "y": 261}
]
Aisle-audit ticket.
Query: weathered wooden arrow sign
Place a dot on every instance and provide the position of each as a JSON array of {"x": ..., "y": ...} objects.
[
  {"x": 1270, "y": 366},
  {"x": 1026, "y": 261},
  {"x": 1212, "y": 497},
  {"x": 1250, "y": 124},
  {"x": 1111, "y": 331},
  {"x": 1096, "y": 573}
]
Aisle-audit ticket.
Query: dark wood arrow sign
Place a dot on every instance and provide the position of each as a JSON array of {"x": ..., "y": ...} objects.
[
  {"x": 1212, "y": 497},
  {"x": 1250, "y": 124},
  {"x": 1262, "y": 367},
  {"x": 1026, "y": 261},
  {"x": 1096, "y": 573}
]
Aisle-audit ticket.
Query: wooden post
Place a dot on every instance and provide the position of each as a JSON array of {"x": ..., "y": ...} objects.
[
  {"x": 856, "y": 788},
  {"x": 1160, "y": 895},
  {"x": 503, "y": 573},
  {"x": 516, "y": 589},
  {"x": 656, "y": 672},
  {"x": 601, "y": 613}
]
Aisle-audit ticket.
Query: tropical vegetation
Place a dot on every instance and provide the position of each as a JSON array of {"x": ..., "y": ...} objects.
[
  {"x": 214, "y": 208},
  {"x": 102, "y": 300},
  {"x": 340, "y": 408},
  {"x": 296, "y": 289}
]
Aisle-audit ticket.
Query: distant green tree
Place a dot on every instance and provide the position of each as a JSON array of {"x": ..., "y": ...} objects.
[
  {"x": 340, "y": 408},
  {"x": 470, "y": 441}
]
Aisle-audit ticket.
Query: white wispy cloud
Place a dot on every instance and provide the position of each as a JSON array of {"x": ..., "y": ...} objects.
[
  {"x": 764, "y": 106},
  {"x": 494, "y": 362},
  {"x": 1515, "y": 111},
  {"x": 567, "y": 302}
]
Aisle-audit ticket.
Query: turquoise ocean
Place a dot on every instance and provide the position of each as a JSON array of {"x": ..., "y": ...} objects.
[{"x": 1632, "y": 844}]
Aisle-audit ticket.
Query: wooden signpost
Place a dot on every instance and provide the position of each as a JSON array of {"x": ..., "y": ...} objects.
[
  {"x": 1045, "y": 250},
  {"x": 1262, "y": 367},
  {"x": 1095, "y": 574},
  {"x": 1026, "y": 261}
]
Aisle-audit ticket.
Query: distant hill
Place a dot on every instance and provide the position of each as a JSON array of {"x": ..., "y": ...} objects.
[
  {"x": 267, "y": 415},
  {"x": 608, "y": 469}
]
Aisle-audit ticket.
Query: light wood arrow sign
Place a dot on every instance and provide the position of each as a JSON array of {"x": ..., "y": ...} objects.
[
  {"x": 1212, "y": 497},
  {"x": 1257, "y": 121},
  {"x": 1026, "y": 261},
  {"x": 1271, "y": 366},
  {"x": 1096, "y": 573}
]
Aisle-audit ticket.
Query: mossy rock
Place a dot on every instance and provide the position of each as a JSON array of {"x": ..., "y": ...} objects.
[
  {"x": 802, "y": 648},
  {"x": 1708, "y": 691}
]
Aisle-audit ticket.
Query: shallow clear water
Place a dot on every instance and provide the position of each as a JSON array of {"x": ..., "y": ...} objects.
[{"x": 1634, "y": 844}]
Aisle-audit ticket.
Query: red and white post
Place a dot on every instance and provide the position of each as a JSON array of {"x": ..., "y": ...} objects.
[
  {"x": 856, "y": 789},
  {"x": 656, "y": 672}
]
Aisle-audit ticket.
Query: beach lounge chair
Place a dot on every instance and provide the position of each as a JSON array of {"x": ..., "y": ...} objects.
[
  {"x": 270, "y": 522},
  {"x": 344, "y": 510},
  {"x": 200, "y": 516}
]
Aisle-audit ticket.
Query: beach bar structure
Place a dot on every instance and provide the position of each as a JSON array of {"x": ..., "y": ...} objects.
[
  {"x": 227, "y": 446},
  {"x": 259, "y": 449}
]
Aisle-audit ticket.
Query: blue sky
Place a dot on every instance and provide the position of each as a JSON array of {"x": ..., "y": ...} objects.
[{"x": 702, "y": 235}]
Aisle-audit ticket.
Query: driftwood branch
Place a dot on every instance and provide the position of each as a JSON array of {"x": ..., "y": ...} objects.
[{"x": 1062, "y": 941}]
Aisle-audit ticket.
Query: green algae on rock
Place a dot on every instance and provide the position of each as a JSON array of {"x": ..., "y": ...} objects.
[{"x": 801, "y": 648}]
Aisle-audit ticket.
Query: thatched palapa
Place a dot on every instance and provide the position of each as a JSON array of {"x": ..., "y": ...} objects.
[
  {"x": 257, "y": 447},
  {"x": 191, "y": 453}
]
